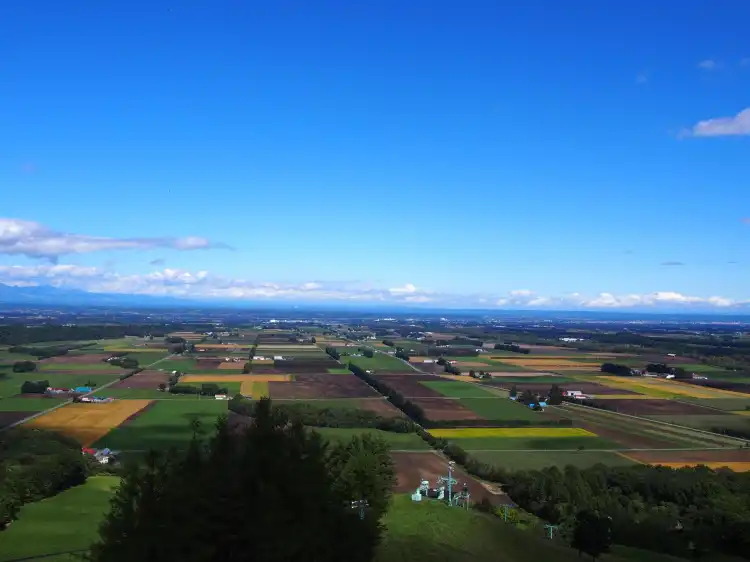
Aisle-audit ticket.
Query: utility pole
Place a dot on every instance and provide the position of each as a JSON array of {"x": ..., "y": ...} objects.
[{"x": 550, "y": 529}]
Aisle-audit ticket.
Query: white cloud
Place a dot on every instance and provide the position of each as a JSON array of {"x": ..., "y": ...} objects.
[
  {"x": 708, "y": 64},
  {"x": 406, "y": 289},
  {"x": 723, "y": 126},
  {"x": 20, "y": 237},
  {"x": 205, "y": 285}
]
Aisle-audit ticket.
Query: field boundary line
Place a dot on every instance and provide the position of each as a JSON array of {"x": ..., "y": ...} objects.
[{"x": 703, "y": 431}]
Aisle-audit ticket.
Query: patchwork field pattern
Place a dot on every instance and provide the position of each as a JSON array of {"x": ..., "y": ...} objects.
[{"x": 88, "y": 422}]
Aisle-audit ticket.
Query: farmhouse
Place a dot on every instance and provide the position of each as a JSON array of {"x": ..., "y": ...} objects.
[{"x": 51, "y": 390}]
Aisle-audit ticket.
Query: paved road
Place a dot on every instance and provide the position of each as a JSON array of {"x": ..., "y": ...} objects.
[{"x": 53, "y": 408}]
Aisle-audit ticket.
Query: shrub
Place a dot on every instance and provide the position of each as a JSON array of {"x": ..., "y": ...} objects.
[{"x": 24, "y": 366}]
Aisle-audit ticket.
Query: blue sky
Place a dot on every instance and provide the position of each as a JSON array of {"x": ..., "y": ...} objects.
[{"x": 542, "y": 153}]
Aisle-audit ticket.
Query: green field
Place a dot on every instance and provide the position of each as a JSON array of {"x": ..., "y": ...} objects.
[
  {"x": 698, "y": 367},
  {"x": 28, "y": 404},
  {"x": 184, "y": 365},
  {"x": 65, "y": 522},
  {"x": 10, "y": 385},
  {"x": 147, "y": 357},
  {"x": 165, "y": 424},
  {"x": 522, "y": 460},
  {"x": 458, "y": 389},
  {"x": 380, "y": 362},
  {"x": 504, "y": 409},
  {"x": 98, "y": 366},
  {"x": 708, "y": 422},
  {"x": 397, "y": 441},
  {"x": 534, "y": 443},
  {"x": 341, "y": 371}
]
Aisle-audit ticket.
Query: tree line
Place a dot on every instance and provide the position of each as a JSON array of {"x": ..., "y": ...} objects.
[{"x": 512, "y": 347}]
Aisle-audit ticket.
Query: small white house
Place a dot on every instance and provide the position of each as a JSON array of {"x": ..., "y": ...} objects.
[
  {"x": 671, "y": 355},
  {"x": 258, "y": 358},
  {"x": 278, "y": 357},
  {"x": 221, "y": 397}
]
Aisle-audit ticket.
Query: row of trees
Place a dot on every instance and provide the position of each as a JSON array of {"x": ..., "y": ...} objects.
[
  {"x": 205, "y": 389},
  {"x": 123, "y": 362},
  {"x": 34, "y": 387},
  {"x": 273, "y": 491},
  {"x": 394, "y": 397},
  {"x": 615, "y": 369},
  {"x": 20, "y": 334},
  {"x": 24, "y": 367},
  {"x": 45, "y": 352},
  {"x": 333, "y": 353},
  {"x": 512, "y": 347}
]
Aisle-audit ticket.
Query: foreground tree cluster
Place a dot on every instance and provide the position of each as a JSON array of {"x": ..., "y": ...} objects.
[{"x": 271, "y": 491}]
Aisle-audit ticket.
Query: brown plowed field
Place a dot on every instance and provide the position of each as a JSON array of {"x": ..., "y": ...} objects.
[
  {"x": 89, "y": 359},
  {"x": 652, "y": 407},
  {"x": 266, "y": 371},
  {"x": 208, "y": 363},
  {"x": 624, "y": 438},
  {"x": 231, "y": 366},
  {"x": 321, "y": 386},
  {"x": 412, "y": 468},
  {"x": 410, "y": 386},
  {"x": 7, "y": 418},
  {"x": 378, "y": 405},
  {"x": 444, "y": 409},
  {"x": 428, "y": 367},
  {"x": 144, "y": 379}
]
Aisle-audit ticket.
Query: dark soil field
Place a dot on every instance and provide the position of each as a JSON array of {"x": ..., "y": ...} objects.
[
  {"x": 625, "y": 438},
  {"x": 410, "y": 386},
  {"x": 321, "y": 386},
  {"x": 209, "y": 363},
  {"x": 144, "y": 379},
  {"x": 428, "y": 367},
  {"x": 438, "y": 409},
  {"x": 7, "y": 418},
  {"x": 412, "y": 468},
  {"x": 89, "y": 359},
  {"x": 743, "y": 387},
  {"x": 266, "y": 370},
  {"x": 653, "y": 407},
  {"x": 306, "y": 366},
  {"x": 380, "y": 406}
]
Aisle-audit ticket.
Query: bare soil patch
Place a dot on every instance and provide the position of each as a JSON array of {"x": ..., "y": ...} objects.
[
  {"x": 409, "y": 385},
  {"x": 88, "y": 359},
  {"x": 653, "y": 407},
  {"x": 7, "y": 418},
  {"x": 444, "y": 409},
  {"x": 144, "y": 379},
  {"x": 229, "y": 366},
  {"x": 321, "y": 386},
  {"x": 208, "y": 362},
  {"x": 412, "y": 468}
]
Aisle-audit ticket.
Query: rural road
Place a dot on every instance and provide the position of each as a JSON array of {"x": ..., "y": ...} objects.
[{"x": 55, "y": 407}]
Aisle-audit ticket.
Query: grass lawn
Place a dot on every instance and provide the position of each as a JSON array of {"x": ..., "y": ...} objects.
[
  {"x": 340, "y": 371},
  {"x": 182, "y": 364},
  {"x": 65, "y": 522},
  {"x": 522, "y": 460},
  {"x": 534, "y": 443},
  {"x": 397, "y": 441},
  {"x": 458, "y": 389},
  {"x": 165, "y": 424},
  {"x": 380, "y": 362},
  {"x": 28, "y": 404},
  {"x": 503, "y": 409}
]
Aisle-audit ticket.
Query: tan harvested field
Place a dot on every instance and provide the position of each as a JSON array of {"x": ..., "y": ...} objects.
[
  {"x": 420, "y": 359},
  {"x": 521, "y": 374},
  {"x": 88, "y": 422},
  {"x": 231, "y": 366},
  {"x": 552, "y": 364},
  {"x": 441, "y": 336},
  {"x": 662, "y": 388}
]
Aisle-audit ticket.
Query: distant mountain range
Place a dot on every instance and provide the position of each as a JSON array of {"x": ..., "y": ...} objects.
[{"x": 45, "y": 294}]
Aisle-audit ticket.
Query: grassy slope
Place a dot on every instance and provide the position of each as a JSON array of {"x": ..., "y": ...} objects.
[
  {"x": 427, "y": 531},
  {"x": 65, "y": 522}
]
